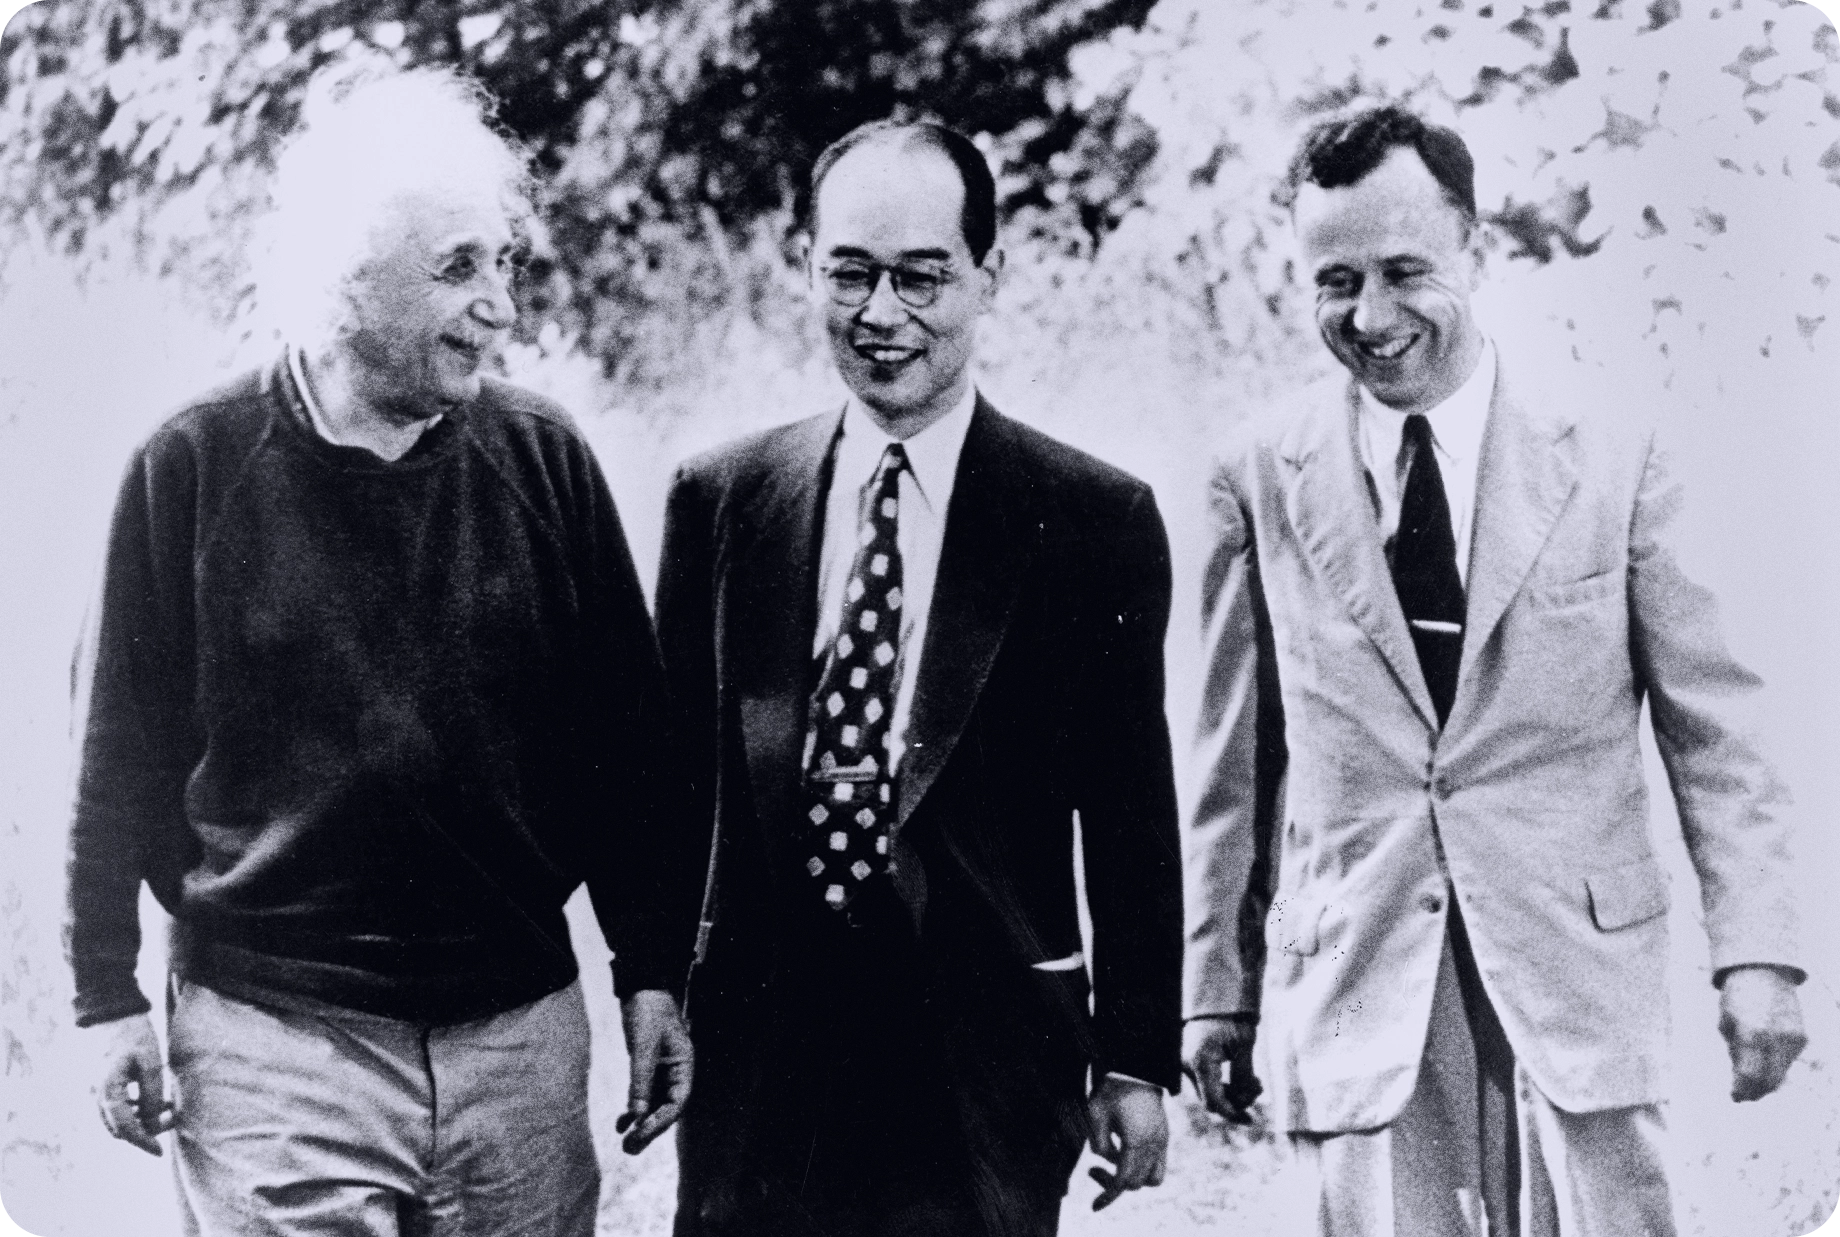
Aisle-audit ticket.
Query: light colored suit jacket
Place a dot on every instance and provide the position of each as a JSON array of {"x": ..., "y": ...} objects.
[{"x": 1534, "y": 792}]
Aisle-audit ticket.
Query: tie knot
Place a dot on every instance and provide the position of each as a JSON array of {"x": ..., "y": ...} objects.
[
  {"x": 894, "y": 459},
  {"x": 888, "y": 471},
  {"x": 1418, "y": 431}
]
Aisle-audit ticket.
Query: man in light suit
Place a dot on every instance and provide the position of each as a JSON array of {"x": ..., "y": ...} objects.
[
  {"x": 1442, "y": 588},
  {"x": 914, "y": 639}
]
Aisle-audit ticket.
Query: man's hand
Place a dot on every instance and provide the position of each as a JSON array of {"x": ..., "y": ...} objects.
[
  {"x": 133, "y": 1094},
  {"x": 658, "y": 1046},
  {"x": 1127, "y": 1127},
  {"x": 1761, "y": 1020},
  {"x": 1208, "y": 1044}
]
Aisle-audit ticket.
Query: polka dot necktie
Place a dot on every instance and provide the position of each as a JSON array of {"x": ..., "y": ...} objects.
[{"x": 849, "y": 783}]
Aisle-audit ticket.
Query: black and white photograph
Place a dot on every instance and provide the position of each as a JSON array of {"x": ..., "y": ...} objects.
[{"x": 919, "y": 618}]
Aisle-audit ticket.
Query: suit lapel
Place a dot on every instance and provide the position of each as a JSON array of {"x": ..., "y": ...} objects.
[
  {"x": 1334, "y": 517},
  {"x": 774, "y": 600},
  {"x": 1524, "y": 479},
  {"x": 980, "y": 569}
]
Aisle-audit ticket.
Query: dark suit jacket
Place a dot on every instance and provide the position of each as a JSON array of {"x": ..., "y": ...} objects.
[{"x": 1041, "y": 695}]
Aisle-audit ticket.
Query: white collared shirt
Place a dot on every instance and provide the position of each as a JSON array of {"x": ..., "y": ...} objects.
[
  {"x": 1456, "y": 434},
  {"x": 297, "y": 366},
  {"x": 926, "y": 492}
]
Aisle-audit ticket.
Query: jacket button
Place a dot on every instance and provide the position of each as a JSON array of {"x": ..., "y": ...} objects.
[
  {"x": 1432, "y": 903},
  {"x": 1440, "y": 786}
]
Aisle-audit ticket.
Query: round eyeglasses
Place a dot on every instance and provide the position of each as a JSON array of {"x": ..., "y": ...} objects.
[{"x": 851, "y": 284}]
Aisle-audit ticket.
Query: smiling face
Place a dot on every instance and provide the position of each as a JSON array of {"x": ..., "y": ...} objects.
[
  {"x": 428, "y": 306},
  {"x": 899, "y": 205},
  {"x": 1393, "y": 264}
]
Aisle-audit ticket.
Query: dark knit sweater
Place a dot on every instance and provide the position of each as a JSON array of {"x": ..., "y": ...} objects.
[{"x": 363, "y": 726}]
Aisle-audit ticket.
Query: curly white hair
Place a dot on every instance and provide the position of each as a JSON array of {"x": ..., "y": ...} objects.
[{"x": 362, "y": 147}]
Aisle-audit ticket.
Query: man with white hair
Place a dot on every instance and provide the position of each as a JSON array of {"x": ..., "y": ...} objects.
[{"x": 373, "y": 691}]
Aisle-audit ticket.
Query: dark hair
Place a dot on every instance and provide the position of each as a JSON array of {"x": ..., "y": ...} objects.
[
  {"x": 1341, "y": 152},
  {"x": 977, "y": 218}
]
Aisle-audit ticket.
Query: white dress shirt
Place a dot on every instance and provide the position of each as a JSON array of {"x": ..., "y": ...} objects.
[
  {"x": 297, "y": 366},
  {"x": 1456, "y": 435},
  {"x": 926, "y": 492}
]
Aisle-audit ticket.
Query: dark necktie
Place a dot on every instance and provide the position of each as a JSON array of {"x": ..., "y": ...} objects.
[
  {"x": 849, "y": 785},
  {"x": 1425, "y": 569}
]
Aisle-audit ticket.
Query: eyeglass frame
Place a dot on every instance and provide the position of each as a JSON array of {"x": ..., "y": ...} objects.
[{"x": 896, "y": 275}]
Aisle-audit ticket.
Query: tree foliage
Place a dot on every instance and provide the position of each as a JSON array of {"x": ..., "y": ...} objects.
[
  {"x": 1686, "y": 156},
  {"x": 1136, "y": 141},
  {"x": 669, "y": 130}
]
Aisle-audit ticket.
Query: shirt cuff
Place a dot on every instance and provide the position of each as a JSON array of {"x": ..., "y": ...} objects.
[
  {"x": 1114, "y": 1074},
  {"x": 1794, "y": 974}
]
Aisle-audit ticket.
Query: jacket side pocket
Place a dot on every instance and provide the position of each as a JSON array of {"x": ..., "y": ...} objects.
[
  {"x": 1624, "y": 896},
  {"x": 1297, "y": 926}
]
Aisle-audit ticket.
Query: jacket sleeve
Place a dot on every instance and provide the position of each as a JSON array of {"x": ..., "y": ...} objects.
[
  {"x": 139, "y": 734},
  {"x": 644, "y": 891},
  {"x": 1700, "y": 702},
  {"x": 686, "y": 629},
  {"x": 1239, "y": 763},
  {"x": 1128, "y": 812},
  {"x": 685, "y": 601}
]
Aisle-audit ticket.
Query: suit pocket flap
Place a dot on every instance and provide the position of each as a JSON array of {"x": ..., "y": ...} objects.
[
  {"x": 1574, "y": 592},
  {"x": 1631, "y": 894},
  {"x": 1297, "y": 926}
]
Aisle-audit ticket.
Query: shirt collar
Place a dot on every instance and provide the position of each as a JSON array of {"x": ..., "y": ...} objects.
[
  {"x": 1458, "y": 422},
  {"x": 297, "y": 366},
  {"x": 932, "y": 454},
  {"x": 296, "y": 360}
]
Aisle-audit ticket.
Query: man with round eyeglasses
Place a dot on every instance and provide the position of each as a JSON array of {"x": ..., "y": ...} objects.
[
  {"x": 914, "y": 638},
  {"x": 851, "y": 284}
]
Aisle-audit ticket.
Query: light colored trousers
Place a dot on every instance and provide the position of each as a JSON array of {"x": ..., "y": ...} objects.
[
  {"x": 1428, "y": 1173},
  {"x": 292, "y": 1124}
]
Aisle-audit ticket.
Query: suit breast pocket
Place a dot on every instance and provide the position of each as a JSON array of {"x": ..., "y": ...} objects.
[{"x": 1547, "y": 596}]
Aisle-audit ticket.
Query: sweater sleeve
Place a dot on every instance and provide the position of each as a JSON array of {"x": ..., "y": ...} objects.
[
  {"x": 139, "y": 734},
  {"x": 645, "y": 876}
]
